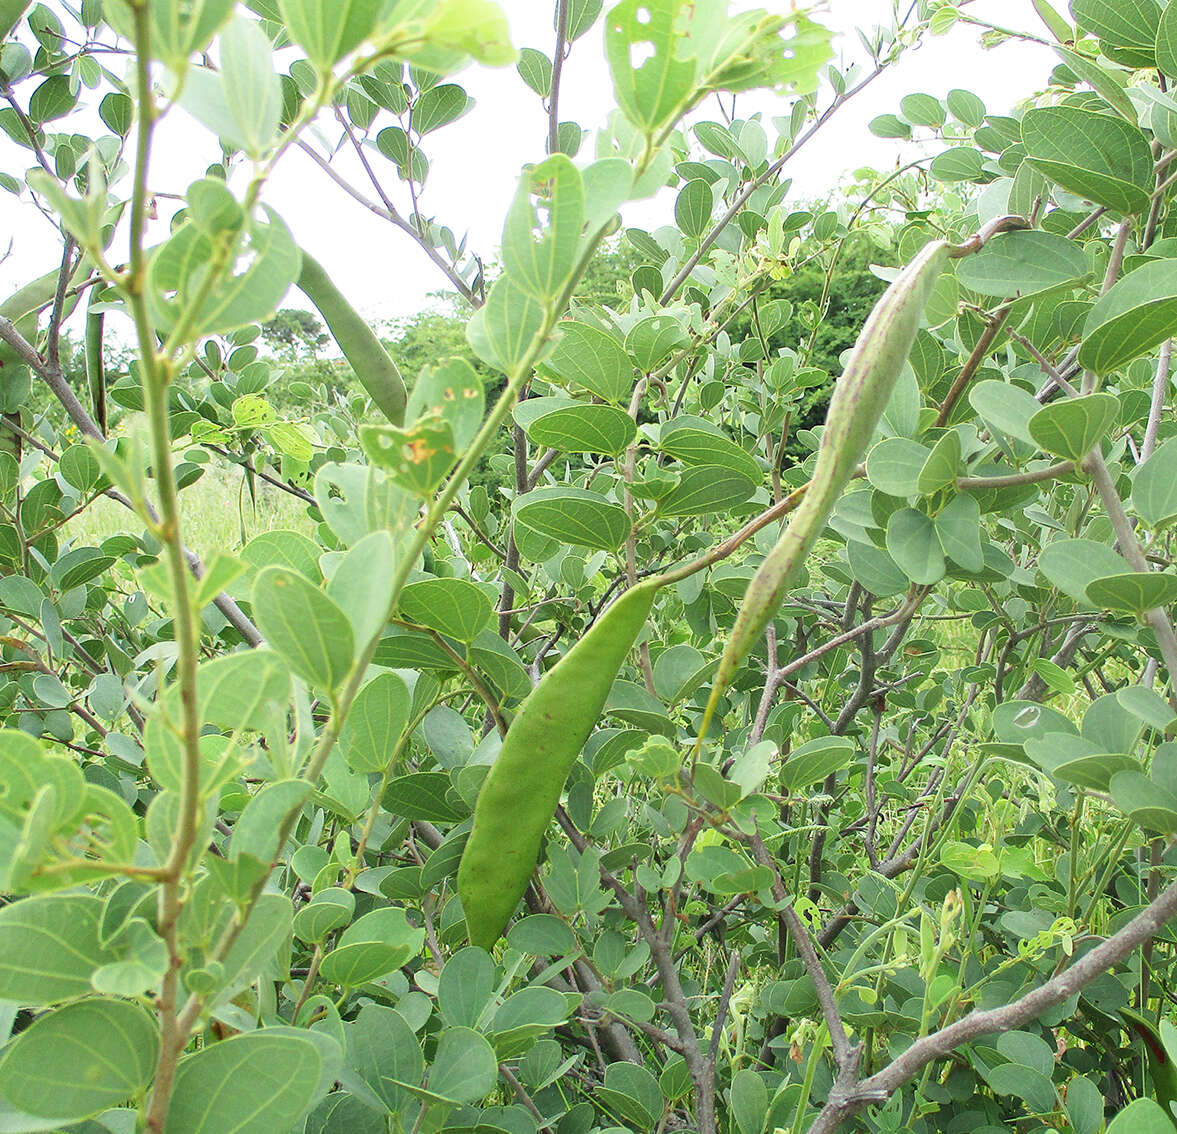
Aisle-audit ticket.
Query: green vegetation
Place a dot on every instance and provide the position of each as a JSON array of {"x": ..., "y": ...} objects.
[{"x": 718, "y": 678}]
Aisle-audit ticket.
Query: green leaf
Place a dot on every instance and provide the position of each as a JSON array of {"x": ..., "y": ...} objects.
[
  {"x": 178, "y": 271},
  {"x": 535, "y": 69},
  {"x": 418, "y": 456},
  {"x": 958, "y": 528},
  {"x": 875, "y": 570},
  {"x": 1142, "y": 1116},
  {"x": 651, "y": 74},
  {"x": 457, "y": 608},
  {"x": 582, "y": 427},
  {"x": 913, "y": 544},
  {"x": 692, "y": 209},
  {"x": 452, "y": 392},
  {"x": 327, "y": 911},
  {"x": 894, "y": 465},
  {"x": 942, "y": 466},
  {"x": 696, "y": 441},
  {"x": 304, "y": 626},
  {"x": 80, "y": 1060},
  {"x": 439, "y": 106},
  {"x": 361, "y": 585},
  {"x": 1134, "y": 591},
  {"x": 575, "y": 516},
  {"x": 478, "y": 28},
  {"x": 813, "y": 761},
  {"x": 966, "y": 108},
  {"x": 650, "y": 340},
  {"x": 1154, "y": 487},
  {"x": 254, "y": 1083},
  {"x": 1072, "y": 427},
  {"x": 1166, "y": 43},
  {"x": 1095, "y": 156},
  {"x": 1120, "y": 23},
  {"x": 1141, "y": 798},
  {"x": 502, "y": 329},
  {"x": 1132, "y": 317},
  {"x": 1072, "y": 564},
  {"x": 49, "y": 948},
  {"x": 923, "y": 110},
  {"x": 706, "y": 489},
  {"x": 749, "y": 1101},
  {"x": 327, "y": 30},
  {"x": 464, "y": 1067},
  {"x": 250, "y": 84},
  {"x": 592, "y": 359},
  {"x": 375, "y": 723},
  {"x": 1023, "y": 263},
  {"x": 387, "y": 1054},
  {"x": 541, "y": 258},
  {"x": 256, "y": 833},
  {"x": 376, "y": 944},
  {"x": 1006, "y": 407}
]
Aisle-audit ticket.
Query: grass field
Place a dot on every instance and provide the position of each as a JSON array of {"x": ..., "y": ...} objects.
[{"x": 218, "y": 514}]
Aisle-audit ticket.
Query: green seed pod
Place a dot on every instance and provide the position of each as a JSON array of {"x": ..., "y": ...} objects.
[
  {"x": 95, "y": 365},
  {"x": 377, "y": 372},
  {"x": 521, "y": 791},
  {"x": 861, "y": 395}
]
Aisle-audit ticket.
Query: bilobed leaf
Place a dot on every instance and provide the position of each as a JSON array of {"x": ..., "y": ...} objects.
[
  {"x": 1006, "y": 407},
  {"x": 464, "y": 1067},
  {"x": 1143, "y": 1116},
  {"x": 942, "y": 466},
  {"x": 304, "y": 626},
  {"x": 250, "y": 1084},
  {"x": 811, "y": 762},
  {"x": 575, "y": 516},
  {"x": 251, "y": 86},
  {"x": 692, "y": 209},
  {"x": 1154, "y": 487},
  {"x": 1133, "y": 316},
  {"x": 591, "y": 358},
  {"x": 418, "y": 456},
  {"x": 1071, "y": 564},
  {"x": 361, "y": 584},
  {"x": 270, "y": 264},
  {"x": 1166, "y": 44},
  {"x": 650, "y": 340},
  {"x": 80, "y": 1060},
  {"x": 502, "y": 330},
  {"x": 1022, "y": 263},
  {"x": 1120, "y": 23},
  {"x": 454, "y": 392},
  {"x": 1095, "y": 156},
  {"x": 705, "y": 489},
  {"x": 535, "y": 69},
  {"x": 958, "y": 528},
  {"x": 1072, "y": 427},
  {"x": 327, "y": 30},
  {"x": 49, "y": 947},
  {"x": 1133, "y": 591},
  {"x": 377, "y": 718},
  {"x": 696, "y": 441},
  {"x": 894, "y": 465},
  {"x": 457, "y": 608},
  {"x": 541, "y": 257},
  {"x": 651, "y": 74},
  {"x": 439, "y": 106},
  {"x": 913, "y": 544},
  {"x": 584, "y": 427}
]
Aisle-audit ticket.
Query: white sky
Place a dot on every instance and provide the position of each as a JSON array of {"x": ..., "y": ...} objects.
[{"x": 475, "y": 162}]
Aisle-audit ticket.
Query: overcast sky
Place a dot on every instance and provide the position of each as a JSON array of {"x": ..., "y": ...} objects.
[{"x": 475, "y": 162}]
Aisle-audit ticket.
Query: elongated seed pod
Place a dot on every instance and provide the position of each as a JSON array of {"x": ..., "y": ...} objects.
[
  {"x": 95, "y": 365},
  {"x": 521, "y": 791},
  {"x": 377, "y": 372},
  {"x": 856, "y": 406}
]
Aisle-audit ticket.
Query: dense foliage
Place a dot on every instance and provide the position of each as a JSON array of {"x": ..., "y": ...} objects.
[{"x": 901, "y": 861}]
